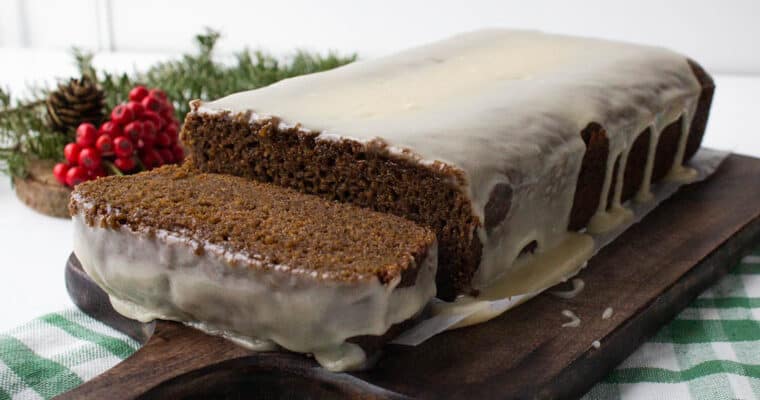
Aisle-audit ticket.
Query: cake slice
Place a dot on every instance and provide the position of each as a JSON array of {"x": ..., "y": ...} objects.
[
  {"x": 504, "y": 143},
  {"x": 259, "y": 264}
]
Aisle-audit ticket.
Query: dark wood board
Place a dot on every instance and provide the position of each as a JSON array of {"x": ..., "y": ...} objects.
[{"x": 647, "y": 276}]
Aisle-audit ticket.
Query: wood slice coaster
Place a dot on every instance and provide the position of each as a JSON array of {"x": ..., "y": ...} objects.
[
  {"x": 647, "y": 276},
  {"x": 41, "y": 191}
]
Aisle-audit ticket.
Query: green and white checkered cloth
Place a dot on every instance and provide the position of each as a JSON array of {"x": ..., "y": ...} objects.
[
  {"x": 710, "y": 351},
  {"x": 58, "y": 352}
]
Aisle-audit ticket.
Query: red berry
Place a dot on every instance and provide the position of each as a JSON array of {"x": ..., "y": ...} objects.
[
  {"x": 104, "y": 144},
  {"x": 138, "y": 93},
  {"x": 76, "y": 175},
  {"x": 147, "y": 140},
  {"x": 123, "y": 147},
  {"x": 59, "y": 171},
  {"x": 166, "y": 113},
  {"x": 166, "y": 155},
  {"x": 125, "y": 164},
  {"x": 168, "y": 117},
  {"x": 98, "y": 172},
  {"x": 122, "y": 115},
  {"x": 86, "y": 134},
  {"x": 152, "y": 117},
  {"x": 89, "y": 158},
  {"x": 160, "y": 94},
  {"x": 111, "y": 129},
  {"x": 71, "y": 152},
  {"x": 151, "y": 158},
  {"x": 137, "y": 109},
  {"x": 179, "y": 153},
  {"x": 153, "y": 103},
  {"x": 163, "y": 140},
  {"x": 133, "y": 130},
  {"x": 171, "y": 131},
  {"x": 149, "y": 126}
]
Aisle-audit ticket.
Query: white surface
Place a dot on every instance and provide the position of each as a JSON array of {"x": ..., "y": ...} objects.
[
  {"x": 721, "y": 34},
  {"x": 34, "y": 248}
]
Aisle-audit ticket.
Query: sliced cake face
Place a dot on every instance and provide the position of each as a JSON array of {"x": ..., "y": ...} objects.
[
  {"x": 276, "y": 228},
  {"x": 346, "y": 171},
  {"x": 501, "y": 141},
  {"x": 260, "y": 264}
]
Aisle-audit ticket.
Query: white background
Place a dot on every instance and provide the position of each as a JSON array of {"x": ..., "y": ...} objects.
[
  {"x": 36, "y": 35},
  {"x": 723, "y": 35}
]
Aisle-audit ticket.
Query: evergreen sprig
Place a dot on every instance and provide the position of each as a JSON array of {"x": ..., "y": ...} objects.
[
  {"x": 24, "y": 133},
  {"x": 200, "y": 76}
]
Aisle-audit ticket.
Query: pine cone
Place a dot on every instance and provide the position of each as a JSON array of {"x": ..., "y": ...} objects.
[{"x": 75, "y": 102}]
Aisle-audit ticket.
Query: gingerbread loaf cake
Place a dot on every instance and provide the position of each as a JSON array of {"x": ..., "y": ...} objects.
[
  {"x": 502, "y": 142},
  {"x": 259, "y": 264}
]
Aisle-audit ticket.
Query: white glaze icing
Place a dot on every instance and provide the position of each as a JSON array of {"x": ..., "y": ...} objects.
[
  {"x": 578, "y": 285},
  {"x": 679, "y": 172},
  {"x": 502, "y": 106},
  {"x": 160, "y": 276},
  {"x": 574, "y": 320},
  {"x": 607, "y": 313},
  {"x": 531, "y": 275}
]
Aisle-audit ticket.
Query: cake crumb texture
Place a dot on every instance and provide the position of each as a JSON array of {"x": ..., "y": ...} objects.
[{"x": 346, "y": 171}]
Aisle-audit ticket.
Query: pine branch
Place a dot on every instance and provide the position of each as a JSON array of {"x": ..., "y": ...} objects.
[
  {"x": 83, "y": 61},
  {"x": 199, "y": 76},
  {"x": 24, "y": 133},
  {"x": 22, "y": 107}
]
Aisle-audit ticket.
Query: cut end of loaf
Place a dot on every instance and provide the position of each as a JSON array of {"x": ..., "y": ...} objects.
[{"x": 274, "y": 227}]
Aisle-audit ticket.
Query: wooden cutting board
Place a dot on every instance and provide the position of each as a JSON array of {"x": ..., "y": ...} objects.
[{"x": 650, "y": 273}]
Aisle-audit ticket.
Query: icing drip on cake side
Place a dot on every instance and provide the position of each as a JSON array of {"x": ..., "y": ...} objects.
[
  {"x": 160, "y": 276},
  {"x": 529, "y": 276},
  {"x": 504, "y": 107},
  {"x": 560, "y": 262}
]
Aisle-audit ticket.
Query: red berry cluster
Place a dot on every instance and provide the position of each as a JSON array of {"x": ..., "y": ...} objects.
[{"x": 143, "y": 129}]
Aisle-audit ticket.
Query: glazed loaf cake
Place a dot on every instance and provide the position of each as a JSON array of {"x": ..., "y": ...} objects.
[
  {"x": 259, "y": 264},
  {"x": 502, "y": 142}
]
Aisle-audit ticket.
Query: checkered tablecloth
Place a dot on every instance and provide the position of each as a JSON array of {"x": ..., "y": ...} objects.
[
  {"x": 710, "y": 351},
  {"x": 58, "y": 352}
]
